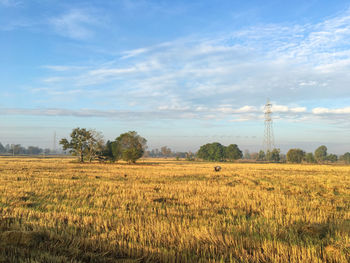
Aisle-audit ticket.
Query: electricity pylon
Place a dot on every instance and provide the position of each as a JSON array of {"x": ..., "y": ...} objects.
[{"x": 269, "y": 142}]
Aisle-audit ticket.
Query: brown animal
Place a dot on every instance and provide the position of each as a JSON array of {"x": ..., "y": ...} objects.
[{"x": 217, "y": 168}]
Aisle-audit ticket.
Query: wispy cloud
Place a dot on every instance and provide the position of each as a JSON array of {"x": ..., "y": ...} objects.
[
  {"x": 323, "y": 111},
  {"x": 75, "y": 23},
  {"x": 205, "y": 76},
  {"x": 230, "y": 114}
]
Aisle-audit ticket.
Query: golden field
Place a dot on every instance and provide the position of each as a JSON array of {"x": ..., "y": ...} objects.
[{"x": 158, "y": 210}]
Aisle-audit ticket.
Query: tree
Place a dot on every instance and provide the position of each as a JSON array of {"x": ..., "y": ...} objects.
[
  {"x": 95, "y": 145},
  {"x": 321, "y": 154},
  {"x": 33, "y": 150},
  {"x": 332, "y": 158},
  {"x": 166, "y": 152},
  {"x": 17, "y": 149},
  {"x": 79, "y": 143},
  {"x": 2, "y": 148},
  {"x": 232, "y": 152},
  {"x": 295, "y": 155},
  {"x": 261, "y": 156},
  {"x": 275, "y": 155},
  {"x": 345, "y": 158},
  {"x": 112, "y": 151},
  {"x": 309, "y": 158},
  {"x": 131, "y": 145},
  {"x": 212, "y": 152},
  {"x": 190, "y": 156}
]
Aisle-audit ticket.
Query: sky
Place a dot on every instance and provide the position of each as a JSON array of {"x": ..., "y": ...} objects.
[{"x": 180, "y": 73}]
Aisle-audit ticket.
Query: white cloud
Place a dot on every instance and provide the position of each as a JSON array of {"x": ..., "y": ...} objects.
[
  {"x": 279, "y": 108},
  {"x": 320, "y": 111},
  {"x": 134, "y": 53},
  {"x": 75, "y": 24},
  {"x": 231, "y": 73},
  {"x": 298, "y": 109}
]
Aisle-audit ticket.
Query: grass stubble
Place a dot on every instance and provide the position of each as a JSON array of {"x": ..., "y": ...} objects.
[{"x": 55, "y": 210}]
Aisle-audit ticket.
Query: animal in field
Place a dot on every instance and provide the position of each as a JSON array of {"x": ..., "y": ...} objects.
[{"x": 217, "y": 168}]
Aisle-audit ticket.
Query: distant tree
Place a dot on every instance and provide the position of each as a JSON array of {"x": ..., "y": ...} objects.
[
  {"x": 166, "y": 152},
  {"x": 309, "y": 158},
  {"x": 47, "y": 151},
  {"x": 321, "y": 154},
  {"x": 190, "y": 156},
  {"x": 32, "y": 150},
  {"x": 246, "y": 154},
  {"x": 283, "y": 157},
  {"x": 332, "y": 158},
  {"x": 131, "y": 145},
  {"x": 268, "y": 156},
  {"x": 17, "y": 149},
  {"x": 295, "y": 155},
  {"x": 261, "y": 156},
  {"x": 212, "y": 152},
  {"x": 345, "y": 158},
  {"x": 78, "y": 144},
  {"x": 275, "y": 155},
  {"x": 232, "y": 152},
  {"x": 8, "y": 148},
  {"x": 2, "y": 148}
]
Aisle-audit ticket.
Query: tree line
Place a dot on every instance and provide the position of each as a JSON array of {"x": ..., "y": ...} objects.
[
  {"x": 18, "y": 149},
  {"x": 319, "y": 156},
  {"x": 217, "y": 152},
  {"x": 89, "y": 145}
]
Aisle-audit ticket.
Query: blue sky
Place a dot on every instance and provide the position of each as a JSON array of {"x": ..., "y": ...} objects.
[{"x": 181, "y": 73}]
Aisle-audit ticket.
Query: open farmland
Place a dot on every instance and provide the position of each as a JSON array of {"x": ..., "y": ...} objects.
[{"x": 55, "y": 210}]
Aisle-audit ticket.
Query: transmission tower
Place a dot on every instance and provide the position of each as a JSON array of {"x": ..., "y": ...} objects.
[{"x": 269, "y": 142}]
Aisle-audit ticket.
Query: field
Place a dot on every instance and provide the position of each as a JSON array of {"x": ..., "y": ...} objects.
[{"x": 55, "y": 210}]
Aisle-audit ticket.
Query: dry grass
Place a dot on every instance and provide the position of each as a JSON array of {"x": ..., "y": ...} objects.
[{"x": 54, "y": 210}]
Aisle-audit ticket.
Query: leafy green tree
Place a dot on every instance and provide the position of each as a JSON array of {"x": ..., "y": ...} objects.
[
  {"x": 309, "y": 158},
  {"x": 112, "y": 151},
  {"x": 295, "y": 155},
  {"x": 332, "y": 158},
  {"x": 212, "y": 152},
  {"x": 321, "y": 154},
  {"x": 78, "y": 144},
  {"x": 261, "y": 156},
  {"x": 232, "y": 152},
  {"x": 275, "y": 155},
  {"x": 131, "y": 145},
  {"x": 345, "y": 158}
]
